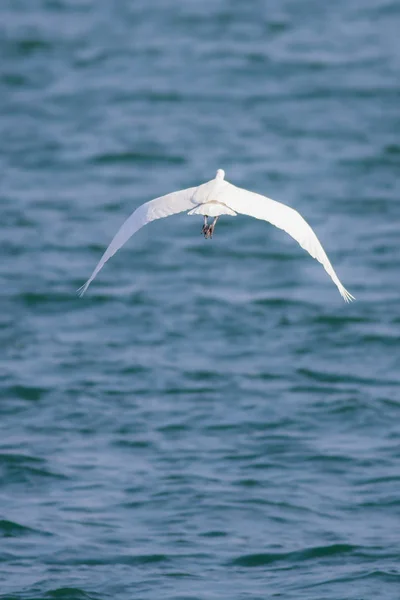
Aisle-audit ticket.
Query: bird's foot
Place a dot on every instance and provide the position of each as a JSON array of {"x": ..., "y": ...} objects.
[
  {"x": 205, "y": 228},
  {"x": 208, "y": 231}
]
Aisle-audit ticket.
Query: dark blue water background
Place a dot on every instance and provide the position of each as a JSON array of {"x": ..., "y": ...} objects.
[{"x": 211, "y": 421}]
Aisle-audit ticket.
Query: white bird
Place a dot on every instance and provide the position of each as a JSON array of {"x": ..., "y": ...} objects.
[{"x": 213, "y": 199}]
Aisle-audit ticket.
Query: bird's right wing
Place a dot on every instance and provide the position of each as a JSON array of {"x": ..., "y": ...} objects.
[
  {"x": 283, "y": 217},
  {"x": 164, "y": 206}
]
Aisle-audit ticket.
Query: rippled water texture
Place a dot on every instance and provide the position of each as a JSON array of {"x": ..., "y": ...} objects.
[{"x": 211, "y": 421}]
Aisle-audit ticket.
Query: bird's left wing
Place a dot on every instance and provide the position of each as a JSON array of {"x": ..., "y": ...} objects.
[
  {"x": 164, "y": 206},
  {"x": 283, "y": 217}
]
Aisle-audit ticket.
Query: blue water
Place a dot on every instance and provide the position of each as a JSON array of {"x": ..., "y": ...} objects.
[{"x": 211, "y": 420}]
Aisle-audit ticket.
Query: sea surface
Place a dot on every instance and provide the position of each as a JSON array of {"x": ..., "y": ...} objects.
[{"x": 211, "y": 421}]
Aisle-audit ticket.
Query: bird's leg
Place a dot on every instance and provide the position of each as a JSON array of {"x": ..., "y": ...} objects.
[
  {"x": 212, "y": 227},
  {"x": 205, "y": 227}
]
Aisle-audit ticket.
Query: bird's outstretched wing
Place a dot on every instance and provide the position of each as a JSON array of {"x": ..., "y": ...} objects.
[
  {"x": 164, "y": 206},
  {"x": 283, "y": 217}
]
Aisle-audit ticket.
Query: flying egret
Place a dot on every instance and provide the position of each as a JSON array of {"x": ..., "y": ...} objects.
[{"x": 213, "y": 199}]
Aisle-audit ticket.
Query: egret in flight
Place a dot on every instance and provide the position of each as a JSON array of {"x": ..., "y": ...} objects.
[{"x": 213, "y": 199}]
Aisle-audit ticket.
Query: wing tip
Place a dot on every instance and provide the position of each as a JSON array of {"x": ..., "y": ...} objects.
[
  {"x": 346, "y": 295},
  {"x": 80, "y": 291}
]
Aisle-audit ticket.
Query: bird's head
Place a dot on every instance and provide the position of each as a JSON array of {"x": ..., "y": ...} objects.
[{"x": 220, "y": 174}]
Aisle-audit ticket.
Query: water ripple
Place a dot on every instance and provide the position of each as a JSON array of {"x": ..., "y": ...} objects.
[{"x": 210, "y": 406}]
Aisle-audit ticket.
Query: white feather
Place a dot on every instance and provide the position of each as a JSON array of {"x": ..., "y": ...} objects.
[
  {"x": 150, "y": 211},
  {"x": 283, "y": 217},
  {"x": 219, "y": 197},
  {"x": 212, "y": 209}
]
